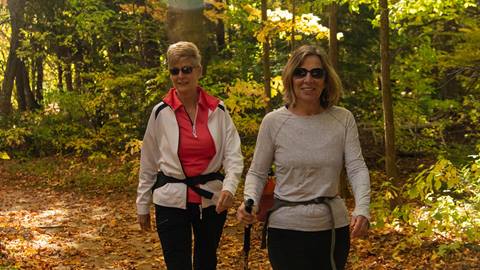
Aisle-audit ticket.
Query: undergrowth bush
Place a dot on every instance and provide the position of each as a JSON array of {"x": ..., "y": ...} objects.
[
  {"x": 86, "y": 123},
  {"x": 441, "y": 203}
]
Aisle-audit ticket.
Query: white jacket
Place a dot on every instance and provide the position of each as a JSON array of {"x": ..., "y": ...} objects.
[{"x": 160, "y": 153}]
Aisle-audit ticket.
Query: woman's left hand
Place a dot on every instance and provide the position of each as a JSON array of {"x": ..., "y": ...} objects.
[
  {"x": 359, "y": 226},
  {"x": 224, "y": 201}
]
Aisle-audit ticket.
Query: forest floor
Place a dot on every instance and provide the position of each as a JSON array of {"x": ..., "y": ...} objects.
[{"x": 45, "y": 225}]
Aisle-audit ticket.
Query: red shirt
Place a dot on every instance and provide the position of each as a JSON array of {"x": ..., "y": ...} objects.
[{"x": 196, "y": 147}]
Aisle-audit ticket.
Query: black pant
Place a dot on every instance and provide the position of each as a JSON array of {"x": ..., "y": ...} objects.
[
  {"x": 289, "y": 249},
  {"x": 174, "y": 227}
]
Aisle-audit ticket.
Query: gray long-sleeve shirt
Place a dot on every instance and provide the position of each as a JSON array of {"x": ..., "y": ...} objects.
[{"x": 309, "y": 153}]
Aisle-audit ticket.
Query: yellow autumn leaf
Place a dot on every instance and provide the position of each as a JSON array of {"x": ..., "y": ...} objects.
[
  {"x": 4, "y": 155},
  {"x": 276, "y": 85}
]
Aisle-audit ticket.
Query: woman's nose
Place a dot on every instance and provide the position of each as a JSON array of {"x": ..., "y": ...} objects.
[{"x": 308, "y": 77}]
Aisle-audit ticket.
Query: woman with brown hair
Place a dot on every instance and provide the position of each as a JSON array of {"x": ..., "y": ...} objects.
[{"x": 309, "y": 141}]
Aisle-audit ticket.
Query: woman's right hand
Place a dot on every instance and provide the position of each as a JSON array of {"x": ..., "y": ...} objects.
[
  {"x": 245, "y": 217},
  {"x": 144, "y": 221}
]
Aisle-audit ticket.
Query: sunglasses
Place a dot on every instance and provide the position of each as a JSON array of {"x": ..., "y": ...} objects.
[
  {"x": 317, "y": 73},
  {"x": 185, "y": 70}
]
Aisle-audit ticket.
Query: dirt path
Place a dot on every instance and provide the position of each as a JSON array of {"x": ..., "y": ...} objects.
[{"x": 48, "y": 229}]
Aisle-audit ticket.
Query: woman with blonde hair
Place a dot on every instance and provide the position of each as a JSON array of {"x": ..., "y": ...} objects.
[{"x": 190, "y": 138}]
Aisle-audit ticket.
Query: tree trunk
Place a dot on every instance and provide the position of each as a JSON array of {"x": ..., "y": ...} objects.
[
  {"x": 185, "y": 22},
  {"x": 390, "y": 155},
  {"x": 333, "y": 42},
  {"x": 220, "y": 32},
  {"x": 60, "y": 76},
  {"x": 7, "y": 85},
  {"x": 220, "y": 35},
  {"x": 33, "y": 78},
  {"x": 333, "y": 56},
  {"x": 39, "y": 79},
  {"x": 20, "y": 84},
  {"x": 17, "y": 10},
  {"x": 68, "y": 77},
  {"x": 266, "y": 60},
  {"x": 293, "y": 26},
  {"x": 77, "y": 77},
  {"x": 25, "y": 97},
  {"x": 230, "y": 31}
]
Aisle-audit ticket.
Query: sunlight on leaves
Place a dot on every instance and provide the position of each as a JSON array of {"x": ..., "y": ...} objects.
[{"x": 4, "y": 155}]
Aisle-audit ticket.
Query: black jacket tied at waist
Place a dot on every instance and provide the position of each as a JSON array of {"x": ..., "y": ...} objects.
[{"x": 191, "y": 182}]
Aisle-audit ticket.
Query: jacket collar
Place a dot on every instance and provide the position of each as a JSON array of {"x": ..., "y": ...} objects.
[{"x": 204, "y": 99}]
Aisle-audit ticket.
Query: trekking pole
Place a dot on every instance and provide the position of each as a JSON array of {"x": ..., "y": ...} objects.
[{"x": 246, "y": 235}]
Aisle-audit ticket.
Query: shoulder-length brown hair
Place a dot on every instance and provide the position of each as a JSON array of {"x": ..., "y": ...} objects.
[{"x": 333, "y": 86}]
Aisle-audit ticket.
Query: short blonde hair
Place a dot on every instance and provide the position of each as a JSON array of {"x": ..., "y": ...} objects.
[
  {"x": 333, "y": 86},
  {"x": 183, "y": 49}
]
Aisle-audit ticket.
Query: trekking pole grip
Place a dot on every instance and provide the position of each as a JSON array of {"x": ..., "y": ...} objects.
[
  {"x": 246, "y": 236},
  {"x": 249, "y": 205}
]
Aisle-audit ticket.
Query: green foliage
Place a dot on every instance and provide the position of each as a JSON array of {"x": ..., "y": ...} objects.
[
  {"x": 281, "y": 22},
  {"x": 95, "y": 174},
  {"x": 464, "y": 62},
  {"x": 220, "y": 73},
  {"x": 434, "y": 60},
  {"x": 442, "y": 201},
  {"x": 424, "y": 11},
  {"x": 42, "y": 133},
  {"x": 381, "y": 204},
  {"x": 114, "y": 48},
  {"x": 428, "y": 78},
  {"x": 91, "y": 123},
  {"x": 246, "y": 102},
  {"x": 451, "y": 198},
  {"x": 469, "y": 117}
]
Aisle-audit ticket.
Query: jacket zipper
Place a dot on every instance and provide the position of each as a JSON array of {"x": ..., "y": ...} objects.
[
  {"x": 194, "y": 122},
  {"x": 194, "y": 133}
]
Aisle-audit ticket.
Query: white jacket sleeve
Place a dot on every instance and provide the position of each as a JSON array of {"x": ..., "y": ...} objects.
[
  {"x": 150, "y": 155},
  {"x": 233, "y": 159}
]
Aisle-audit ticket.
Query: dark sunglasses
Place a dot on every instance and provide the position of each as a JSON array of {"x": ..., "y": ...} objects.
[
  {"x": 317, "y": 73},
  {"x": 184, "y": 70}
]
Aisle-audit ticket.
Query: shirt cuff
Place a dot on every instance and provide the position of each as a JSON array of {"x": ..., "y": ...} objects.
[
  {"x": 230, "y": 187},
  {"x": 143, "y": 209},
  {"x": 360, "y": 212}
]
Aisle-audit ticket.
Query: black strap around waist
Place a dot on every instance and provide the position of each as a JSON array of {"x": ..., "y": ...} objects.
[
  {"x": 191, "y": 182},
  {"x": 278, "y": 203}
]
